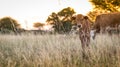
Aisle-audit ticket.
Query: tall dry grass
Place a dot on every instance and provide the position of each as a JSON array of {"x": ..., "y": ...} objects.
[{"x": 58, "y": 51}]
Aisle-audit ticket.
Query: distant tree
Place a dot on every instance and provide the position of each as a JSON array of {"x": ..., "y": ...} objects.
[
  {"x": 62, "y": 21},
  {"x": 8, "y": 23},
  {"x": 54, "y": 20},
  {"x": 108, "y": 5},
  {"x": 38, "y": 25}
]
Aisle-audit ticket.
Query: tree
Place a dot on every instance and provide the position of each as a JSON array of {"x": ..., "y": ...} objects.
[
  {"x": 38, "y": 25},
  {"x": 7, "y": 23},
  {"x": 65, "y": 16},
  {"x": 108, "y": 5},
  {"x": 103, "y": 6},
  {"x": 54, "y": 20},
  {"x": 62, "y": 21}
]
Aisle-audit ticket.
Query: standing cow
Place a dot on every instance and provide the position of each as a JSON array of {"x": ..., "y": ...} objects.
[
  {"x": 104, "y": 21},
  {"x": 84, "y": 26}
]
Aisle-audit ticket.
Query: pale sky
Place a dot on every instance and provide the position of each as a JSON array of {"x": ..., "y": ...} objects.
[{"x": 29, "y": 11}]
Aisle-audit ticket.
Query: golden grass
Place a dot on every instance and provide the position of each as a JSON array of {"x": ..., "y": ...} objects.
[{"x": 58, "y": 51}]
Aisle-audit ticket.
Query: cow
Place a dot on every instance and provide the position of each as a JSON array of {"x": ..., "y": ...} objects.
[
  {"x": 83, "y": 23},
  {"x": 84, "y": 26},
  {"x": 106, "y": 21}
]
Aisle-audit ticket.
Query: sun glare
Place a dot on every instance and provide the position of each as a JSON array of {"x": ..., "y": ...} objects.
[{"x": 28, "y": 12}]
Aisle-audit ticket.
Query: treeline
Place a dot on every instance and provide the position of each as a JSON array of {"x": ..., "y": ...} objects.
[{"x": 62, "y": 21}]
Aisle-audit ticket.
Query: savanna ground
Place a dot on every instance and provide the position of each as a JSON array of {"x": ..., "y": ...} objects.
[{"x": 58, "y": 51}]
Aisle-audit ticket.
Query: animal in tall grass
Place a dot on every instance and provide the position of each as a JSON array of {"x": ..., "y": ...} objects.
[
  {"x": 104, "y": 21},
  {"x": 84, "y": 26}
]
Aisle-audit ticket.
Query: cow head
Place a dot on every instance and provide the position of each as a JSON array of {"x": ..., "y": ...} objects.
[
  {"x": 81, "y": 23},
  {"x": 80, "y": 19}
]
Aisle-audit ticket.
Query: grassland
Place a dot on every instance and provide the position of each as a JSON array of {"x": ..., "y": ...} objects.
[{"x": 58, "y": 51}]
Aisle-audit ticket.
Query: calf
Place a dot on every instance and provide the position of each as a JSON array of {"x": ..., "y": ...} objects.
[{"x": 84, "y": 26}]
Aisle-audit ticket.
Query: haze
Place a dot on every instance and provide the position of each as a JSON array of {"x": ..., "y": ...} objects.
[{"x": 29, "y": 11}]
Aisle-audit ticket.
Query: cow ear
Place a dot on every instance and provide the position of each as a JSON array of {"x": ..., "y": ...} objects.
[{"x": 85, "y": 17}]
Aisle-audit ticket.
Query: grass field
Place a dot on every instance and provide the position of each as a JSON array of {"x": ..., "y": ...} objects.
[{"x": 58, "y": 51}]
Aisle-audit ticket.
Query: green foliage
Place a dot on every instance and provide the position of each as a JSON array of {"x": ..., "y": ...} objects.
[
  {"x": 67, "y": 26},
  {"x": 67, "y": 12},
  {"x": 7, "y": 23},
  {"x": 54, "y": 20},
  {"x": 62, "y": 21},
  {"x": 109, "y": 5}
]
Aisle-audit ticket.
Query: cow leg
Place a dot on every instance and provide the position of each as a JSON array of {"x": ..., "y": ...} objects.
[
  {"x": 83, "y": 48},
  {"x": 117, "y": 29},
  {"x": 88, "y": 41},
  {"x": 85, "y": 41},
  {"x": 92, "y": 34},
  {"x": 102, "y": 30},
  {"x": 82, "y": 43}
]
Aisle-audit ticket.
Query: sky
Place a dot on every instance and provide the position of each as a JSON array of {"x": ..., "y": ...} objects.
[{"x": 26, "y": 12}]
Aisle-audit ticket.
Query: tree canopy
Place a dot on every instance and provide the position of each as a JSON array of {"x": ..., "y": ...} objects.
[
  {"x": 109, "y": 5},
  {"x": 62, "y": 21},
  {"x": 8, "y": 23}
]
